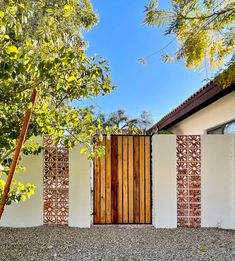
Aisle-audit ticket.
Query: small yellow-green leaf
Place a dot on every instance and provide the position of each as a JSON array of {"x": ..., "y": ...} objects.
[
  {"x": 83, "y": 150},
  {"x": 21, "y": 5},
  {"x": 67, "y": 7},
  {"x": 83, "y": 57},
  {"x": 49, "y": 10},
  {"x": 23, "y": 197},
  {"x": 11, "y": 49},
  {"x": 2, "y": 14},
  {"x": 45, "y": 106},
  {"x": 71, "y": 78},
  {"x": 30, "y": 105}
]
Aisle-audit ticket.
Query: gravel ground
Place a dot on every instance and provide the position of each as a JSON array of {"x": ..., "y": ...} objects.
[{"x": 116, "y": 243}]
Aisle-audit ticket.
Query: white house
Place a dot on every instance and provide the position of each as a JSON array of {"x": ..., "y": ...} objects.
[{"x": 211, "y": 110}]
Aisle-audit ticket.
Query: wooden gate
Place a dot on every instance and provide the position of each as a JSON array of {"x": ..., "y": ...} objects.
[{"x": 122, "y": 181}]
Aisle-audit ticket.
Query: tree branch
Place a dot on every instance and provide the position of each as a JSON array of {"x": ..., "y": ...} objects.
[{"x": 203, "y": 17}]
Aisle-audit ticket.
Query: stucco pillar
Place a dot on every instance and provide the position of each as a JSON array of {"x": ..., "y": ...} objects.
[
  {"x": 30, "y": 212},
  {"x": 79, "y": 189},
  {"x": 164, "y": 181},
  {"x": 233, "y": 173}
]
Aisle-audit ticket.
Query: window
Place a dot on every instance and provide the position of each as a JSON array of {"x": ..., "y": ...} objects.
[
  {"x": 227, "y": 128},
  {"x": 230, "y": 128}
]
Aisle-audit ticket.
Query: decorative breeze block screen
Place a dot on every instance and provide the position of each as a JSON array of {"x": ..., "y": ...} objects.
[
  {"x": 189, "y": 181},
  {"x": 56, "y": 183}
]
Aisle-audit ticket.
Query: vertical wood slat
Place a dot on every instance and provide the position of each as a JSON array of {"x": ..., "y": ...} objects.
[
  {"x": 136, "y": 180},
  {"x": 125, "y": 179},
  {"x": 142, "y": 179},
  {"x": 130, "y": 179},
  {"x": 102, "y": 186},
  {"x": 108, "y": 182},
  {"x": 97, "y": 190},
  {"x": 114, "y": 165},
  {"x": 120, "y": 181},
  {"x": 148, "y": 179}
]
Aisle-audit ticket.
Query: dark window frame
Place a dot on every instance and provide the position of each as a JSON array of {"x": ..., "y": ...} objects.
[{"x": 221, "y": 126}]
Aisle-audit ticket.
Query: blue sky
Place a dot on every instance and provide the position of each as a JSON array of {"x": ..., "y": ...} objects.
[{"x": 121, "y": 39}]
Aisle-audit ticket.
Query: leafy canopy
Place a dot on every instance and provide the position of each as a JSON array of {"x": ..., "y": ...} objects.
[
  {"x": 119, "y": 120},
  {"x": 204, "y": 30},
  {"x": 41, "y": 46}
]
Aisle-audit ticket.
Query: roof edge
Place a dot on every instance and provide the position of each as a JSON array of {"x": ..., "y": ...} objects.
[{"x": 197, "y": 101}]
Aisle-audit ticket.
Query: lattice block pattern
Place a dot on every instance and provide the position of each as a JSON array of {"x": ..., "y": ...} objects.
[
  {"x": 56, "y": 183},
  {"x": 189, "y": 180}
]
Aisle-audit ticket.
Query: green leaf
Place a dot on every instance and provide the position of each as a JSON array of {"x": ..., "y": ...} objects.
[
  {"x": 45, "y": 106},
  {"x": 67, "y": 7},
  {"x": 83, "y": 57},
  {"x": 30, "y": 105},
  {"x": 2, "y": 14},
  {"x": 21, "y": 5},
  {"x": 142, "y": 61},
  {"x": 71, "y": 79},
  {"x": 83, "y": 150},
  {"x": 23, "y": 197},
  {"x": 11, "y": 49}
]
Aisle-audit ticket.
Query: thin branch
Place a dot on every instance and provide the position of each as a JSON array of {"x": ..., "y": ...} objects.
[
  {"x": 163, "y": 48},
  {"x": 203, "y": 17},
  {"x": 7, "y": 154}
]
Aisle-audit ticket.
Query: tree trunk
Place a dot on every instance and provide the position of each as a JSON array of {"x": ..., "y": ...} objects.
[{"x": 17, "y": 152}]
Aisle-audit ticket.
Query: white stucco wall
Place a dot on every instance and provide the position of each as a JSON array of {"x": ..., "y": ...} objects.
[
  {"x": 233, "y": 173},
  {"x": 164, "y": 181},
  {"x": 79, "y": 189},
  {"x": 217, "y": 181},
  {"x": 215, "y": 114},
  {"x": 30, "y": 212}
]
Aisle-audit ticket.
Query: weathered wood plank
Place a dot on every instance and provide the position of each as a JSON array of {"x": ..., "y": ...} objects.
[
  {"x": 97, "y": 190},
  {"x": 108, "y": 182},
  {"x": 136, "y": 181},
  {"x": 114, "y": 164},
  {"x": 142, "y": 179},
  {"x": 148, "y": 218},
  {"x": 125, "y": 180},
  {"x": 102, "y": 186},
  {"x": 120, "y": 182},
  {"x": 130, "y": 179}
]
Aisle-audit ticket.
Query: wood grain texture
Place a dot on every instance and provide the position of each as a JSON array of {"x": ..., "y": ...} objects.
[
  {"x": 125, "y": 180},
  {"x": 130, "y": 180},
  {"x": 136, "y": 180},
  {"x": 142, "y": 179},
  {"x": 108, "y": 182},
  {"x": 102, "y": 187},
  {"x": 114, "y": 165},
  {"x": 122, "y": 181},
  {"x": 148, "y": 218},
  {"x": 97, "y": 191}
]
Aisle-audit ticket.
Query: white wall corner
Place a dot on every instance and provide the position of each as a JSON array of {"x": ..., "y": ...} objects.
[
  {"x": 164, "y": 187},
  {"x": 30, "y": 212},
  {"x": 79, "y": 189},
  {"x": 217, "y": 181}
]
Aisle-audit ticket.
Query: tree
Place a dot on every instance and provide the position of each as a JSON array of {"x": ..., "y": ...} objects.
[
  {"x": 204, "y": 30},
  {"x": 42, "y": 51},
  {"x": 119, "y": 120}
]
